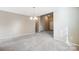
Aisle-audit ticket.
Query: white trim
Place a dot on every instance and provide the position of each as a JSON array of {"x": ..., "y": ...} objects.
[
  {"x": 74, "y": 44},
  {"x": 16, "y": 35}
]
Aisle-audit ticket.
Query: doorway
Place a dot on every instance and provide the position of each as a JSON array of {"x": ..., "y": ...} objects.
[
  {"x": 44, "y": 23},
  {"x": 48, "y": 19},
  {"x": 37, "y": 25},
  {"x": 48, "y": 23}
]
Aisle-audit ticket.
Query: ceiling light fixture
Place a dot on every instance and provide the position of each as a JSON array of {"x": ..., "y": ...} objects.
[{"x": 34, "y": 17}]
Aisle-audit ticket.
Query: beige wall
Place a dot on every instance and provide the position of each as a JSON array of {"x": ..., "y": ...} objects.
[
  {"x": 74, "y": 25},
  {"x": 12, "y": 25},
  {"x": 66, "y": 26},
  {"x": 61, "y": 24}
]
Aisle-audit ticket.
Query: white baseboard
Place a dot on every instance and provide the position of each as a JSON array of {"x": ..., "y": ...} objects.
[
  {"x": 14, "y": 36},
  {"x": 73, "y": 45}
]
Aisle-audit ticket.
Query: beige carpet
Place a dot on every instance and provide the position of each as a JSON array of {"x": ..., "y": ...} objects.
[{"x": 38, "y": 42}]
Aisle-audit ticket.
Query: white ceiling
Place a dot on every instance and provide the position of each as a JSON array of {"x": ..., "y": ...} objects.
[{"x": 29, "y": 11}]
